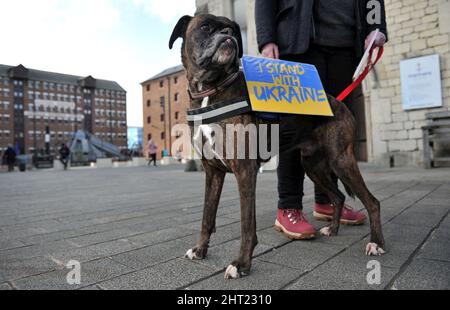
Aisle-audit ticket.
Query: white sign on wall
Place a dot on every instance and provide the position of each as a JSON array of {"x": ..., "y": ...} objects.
[{"x": 421, "y": 82}]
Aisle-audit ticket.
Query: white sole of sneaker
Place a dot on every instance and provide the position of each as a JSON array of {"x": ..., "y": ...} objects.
[
  {"x": 328, "y": 218},
  {"x": 294, "y": 236}
]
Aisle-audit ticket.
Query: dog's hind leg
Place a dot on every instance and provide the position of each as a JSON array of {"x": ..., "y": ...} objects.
[
  {"x": 213, "y": 190},
  {"x": 246, "y": 174},
  {"x": 318, "y": 170},
  {"x": 348, "y": 172}
]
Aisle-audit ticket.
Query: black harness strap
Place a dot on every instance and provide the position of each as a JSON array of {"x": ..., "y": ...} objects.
[{"x": 219, "y": 111}]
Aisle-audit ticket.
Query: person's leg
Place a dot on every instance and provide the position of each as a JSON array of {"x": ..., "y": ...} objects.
[
  {"x": 290, "y": 174},
  {"x": 149, "y": 159},
  {"x": 341, "y": 64},
  {"x": 290, "y": 170},
  {"x": 154, "y": 159},
  {"x": 290, "y": 218}
]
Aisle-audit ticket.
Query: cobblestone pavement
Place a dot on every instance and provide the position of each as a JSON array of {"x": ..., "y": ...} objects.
[{"x": 129, "y": 228}]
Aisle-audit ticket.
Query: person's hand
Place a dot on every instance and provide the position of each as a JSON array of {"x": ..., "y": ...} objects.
[
  {"x": 380, "y": 40},
  {"x": 270, "y": 50}
]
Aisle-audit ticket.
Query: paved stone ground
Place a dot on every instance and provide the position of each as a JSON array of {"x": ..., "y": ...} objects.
[{"x": 130, "y": 227}]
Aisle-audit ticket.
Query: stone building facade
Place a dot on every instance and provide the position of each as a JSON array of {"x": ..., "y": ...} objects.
[{"x": 416, "y": 28}]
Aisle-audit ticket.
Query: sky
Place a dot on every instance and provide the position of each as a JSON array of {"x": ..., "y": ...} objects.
[{"x": 120, "y": 40}]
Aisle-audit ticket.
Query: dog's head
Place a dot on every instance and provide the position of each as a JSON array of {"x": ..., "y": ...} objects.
[{"x": 212, "y": 46}]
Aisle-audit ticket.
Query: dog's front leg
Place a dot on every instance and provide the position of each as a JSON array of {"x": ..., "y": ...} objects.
[
  {"x": 213, "y": 190},
  {"x": 246, "y": 178}
]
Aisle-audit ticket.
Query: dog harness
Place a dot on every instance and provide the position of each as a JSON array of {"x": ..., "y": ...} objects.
[
  {"x": 225, "y": 109},
  {"x": 218, "y": 111}
]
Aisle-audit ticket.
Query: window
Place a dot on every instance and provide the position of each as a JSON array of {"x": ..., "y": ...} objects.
[
  {"x": 175, "y": 80},
  {"x": 162, "y": 101},
  {"x": 177, "y": 115},
  {"x": 149, "y": 103},
  {"x": 176, "y": 97},
  {"x": 161, "y": 84},
  {"x": 149, "y": 136},
  {"x": 162, "y": 117},
  {"x": 148, "y": 87},
  {"x": 163, "y": 135}
]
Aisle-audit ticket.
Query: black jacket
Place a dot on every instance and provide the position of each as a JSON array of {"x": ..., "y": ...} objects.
[
  {"x": 9, "y": 156},
  {"x": 289, "y": 24},
  {"x": 64, "y": 152}
]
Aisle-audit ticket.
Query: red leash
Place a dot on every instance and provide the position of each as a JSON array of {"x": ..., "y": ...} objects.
[{"x": 363, "y": 75}]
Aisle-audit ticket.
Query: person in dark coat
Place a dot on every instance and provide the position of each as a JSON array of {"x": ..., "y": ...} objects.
[
  {"x": 64, "y": 154},
  {"x": 9, "y": 158},
  {"x": 332, "y": 35}
]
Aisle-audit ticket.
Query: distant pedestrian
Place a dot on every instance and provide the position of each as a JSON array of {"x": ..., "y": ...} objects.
[
  {"x": 9, "y": 158},
  {"x": 64, "y": 155},
  {"x": 152, "y": 151}
]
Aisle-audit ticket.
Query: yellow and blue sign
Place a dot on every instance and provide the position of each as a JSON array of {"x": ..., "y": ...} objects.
[{"x": 279, "y": 86}]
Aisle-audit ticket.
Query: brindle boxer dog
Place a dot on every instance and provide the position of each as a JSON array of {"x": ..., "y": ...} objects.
[{"x": 211, "y": 49}]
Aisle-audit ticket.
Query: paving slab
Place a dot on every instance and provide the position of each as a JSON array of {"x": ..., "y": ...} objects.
[
  {"x": 151, "y": 255},
  {"x": 5, "y": 287},
  {"x": 262, "y": 277},
  {"x": 11, "y": 269},
  {"x": 302, "y": 255},
  {"x": 424, "y": 274},
  {"x": 166, "y": 276},
  {"x": 91, "y": 272},
  {"x": 129, "y": 229}
]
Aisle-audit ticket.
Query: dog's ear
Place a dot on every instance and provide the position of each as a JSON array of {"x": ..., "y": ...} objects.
[
  {"x": 180, "y": 29},
  {"x": 237, "y": 30}
]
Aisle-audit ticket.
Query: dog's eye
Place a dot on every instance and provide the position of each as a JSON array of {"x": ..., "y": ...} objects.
[{"x": 205, "y": 28}]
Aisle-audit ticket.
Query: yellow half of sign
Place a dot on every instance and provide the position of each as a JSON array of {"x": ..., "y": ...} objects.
[{"x": 268, "y": 97}]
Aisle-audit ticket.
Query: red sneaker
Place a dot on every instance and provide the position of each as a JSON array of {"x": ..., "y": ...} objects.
[
  {"x": 294, "y": 225},
  {"x": 324, "y": 212}
]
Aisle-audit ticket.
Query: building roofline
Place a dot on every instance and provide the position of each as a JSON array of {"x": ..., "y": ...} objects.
[
  {"x": 56, "y": 77},
  {"x": 167, "y": 72}
]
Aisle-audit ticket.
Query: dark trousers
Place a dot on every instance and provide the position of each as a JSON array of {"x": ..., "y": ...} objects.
[
  {"x": 152, "y": 159},
  {"x": 10, "y": 167},
  {"x": 65, "y": 162},
  {"x": 336, "y": 67}
]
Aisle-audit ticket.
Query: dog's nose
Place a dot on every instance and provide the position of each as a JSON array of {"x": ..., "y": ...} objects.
[{"x": 227, "y": 31}]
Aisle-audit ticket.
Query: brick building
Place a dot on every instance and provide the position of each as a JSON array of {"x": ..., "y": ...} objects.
[
  {"x": 31, "y": 100},
  {"x": 165, "y": 101},
  {"x": 387, "y": 132}
]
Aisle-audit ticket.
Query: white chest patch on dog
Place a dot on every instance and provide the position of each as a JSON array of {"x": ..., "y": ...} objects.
[
  {"x": 205, "y": 102},
  {"x": 205, "y": 131}
]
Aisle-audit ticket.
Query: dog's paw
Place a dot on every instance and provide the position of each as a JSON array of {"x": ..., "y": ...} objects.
[
  {"x": 326, "y": 231},
  {"x": 232, "y": 273},
  {"x": 372, "y": 249},
  {"x": 193, "y": 254}
]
